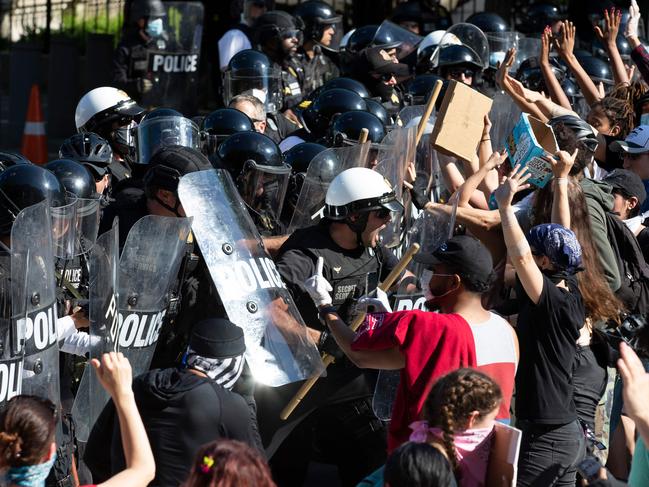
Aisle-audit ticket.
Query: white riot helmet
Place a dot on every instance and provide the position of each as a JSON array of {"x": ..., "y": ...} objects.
[
  {"x": 99, "y": 108},
  {"x": 359, "y": 190}
]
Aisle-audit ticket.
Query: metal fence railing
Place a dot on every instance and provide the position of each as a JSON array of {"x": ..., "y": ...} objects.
[{"x": 39, "y": 19}]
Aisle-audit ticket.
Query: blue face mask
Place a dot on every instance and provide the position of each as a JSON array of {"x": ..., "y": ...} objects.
[
  {"x": 30, "y": 475},
  {"x": 154, "y": 28}
]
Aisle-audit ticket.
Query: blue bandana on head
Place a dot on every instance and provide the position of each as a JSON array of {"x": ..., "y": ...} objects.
[
  {"x": 30, "y": 475},
  {"x": 559, "y": 244}
]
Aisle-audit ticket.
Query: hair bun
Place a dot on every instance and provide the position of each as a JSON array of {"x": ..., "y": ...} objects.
[{"x": 11, "y": 444}]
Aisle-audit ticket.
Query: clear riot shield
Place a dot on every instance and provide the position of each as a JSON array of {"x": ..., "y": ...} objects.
[
  {"x": 34, "y": 300},
  {"x": 148, "y": 266},
  {"x": 499, "y": 44},
  {"x": 266, "y": 86},
  {"x": 470, "y": 36},
  {"x": 504, "y": 115},
  {"x": 87, "y": 227},
  {"x": 389, "y": 32},
  {"x": 64, "y": 228},
  {"x": 278, "y": 348},
  {"x": 11, "y": 346},
  {"x": 309, "y": 208},
  {"x": 395, "y": 152},
  {"x": 430, "y": 230},
  {"x": 104, "y": 327},
  {"x": 173, "y": 58},
  {"x": 528, "y": 47}
]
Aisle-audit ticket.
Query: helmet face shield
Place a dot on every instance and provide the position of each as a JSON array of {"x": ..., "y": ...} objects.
[
  {"x": 159, "y": 132},
  {"x": 265, "y": 85},
  {"x": 64, "y": 226},
  {"x": 263, "y": 188}
]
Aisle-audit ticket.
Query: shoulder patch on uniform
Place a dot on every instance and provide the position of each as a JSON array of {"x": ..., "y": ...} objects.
[{"x": 305, "y": 104}]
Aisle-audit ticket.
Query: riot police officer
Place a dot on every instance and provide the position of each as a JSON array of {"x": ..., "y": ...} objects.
[
  {"x": 94, "y": 153},
  {"x": 130, "y": 63},
  {"x": 320, "y": 26},
  {"x": 278, "y": 36},
  {"x": 258, "y": 169},
  {"x": 336, "y": 418},
  {"x": 111, "y": 114}
]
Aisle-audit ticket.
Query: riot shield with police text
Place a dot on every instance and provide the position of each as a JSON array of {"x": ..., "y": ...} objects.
[
  {"x": 148, "y": 266},
  {"x": 103, "y": 314},
  {"x": 34, "y": 300},
  {"x": 173, "y": 58},
  {"x": 11, "y": 346},
  {"x": 431, "y": 230},
  {"x": 278, "y": 348},
  {"x": 323, "y": 168}
]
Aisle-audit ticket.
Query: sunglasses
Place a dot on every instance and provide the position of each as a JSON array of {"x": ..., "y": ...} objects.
[
  {"x": 288, "y": 34},
  {"x": 382, "y": 213},
  {"x": 467, "y": 72},
  {"x": 386, "y": 77}
]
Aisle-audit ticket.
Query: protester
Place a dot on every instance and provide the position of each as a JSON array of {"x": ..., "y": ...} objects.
[
  {"x": 226, "y": 463},
  {"x": 27, "y": 437},
  {"x": 417, "y": 465}
]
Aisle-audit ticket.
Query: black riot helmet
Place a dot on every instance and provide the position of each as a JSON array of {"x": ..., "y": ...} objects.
[
  {"x": 362, "y": 38},
  {"x": 244, "y": 148},
  {"x": 144, "y": 9},
  {"x": 538, "y": 16},
  {"x": 300, "y": 155},
  {"x": 571, "y": 90},
  {"x": 347, "y": 128},
  {"x": 74, "y": 177},
  {"x": 597, "y": 69},
  {"x": 251, "y": 72},
  {"x": 9, "y": 159},
  {"x": 409, "y": 11},
  {"x": 488, "y": 22},
  {"x": 25, "y": 185},
  {"x": 87, "y": 147},
  {"x": 329, "y": 103},
  {"x": 376, "y": 108},
  {"x": 161, "y": 112},
  {"x": 458, "y": 55},
  {"x": 529, "y": 73},
  {"x": 220, "y": 124},
  {"x": 315, "y": 16},
  {"x": 421, "y": 86},
  {"x": 348, "y": 84},
  {"x": 272, "y": 27}
]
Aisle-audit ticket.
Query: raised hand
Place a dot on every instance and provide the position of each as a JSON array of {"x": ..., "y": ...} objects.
[
  {"x": 318, "y": 287},
  {"x": 565, "y": 43},
  {"x": 495, "y": 160},
  {"x": 114, "y": 373},
  {"x": 631, "y": 29},
  {"x": 511, "y": 185},
  {"x": 612, "y": 21},
  {"x": 562, "y": 163},
  {"x": 546, "y": 44},
  {"x": 505, "y": 66}
]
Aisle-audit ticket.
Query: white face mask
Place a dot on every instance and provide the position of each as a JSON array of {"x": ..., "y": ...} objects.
[{"x": 154, "y": 28}]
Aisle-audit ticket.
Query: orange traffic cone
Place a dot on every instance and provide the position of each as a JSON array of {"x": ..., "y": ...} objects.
[{"x": 34, "y": 145}]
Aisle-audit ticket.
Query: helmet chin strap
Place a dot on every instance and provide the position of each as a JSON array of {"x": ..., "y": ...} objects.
[
  {"x": 358, "y": 226},
  {"x": 173, "y": 209}
]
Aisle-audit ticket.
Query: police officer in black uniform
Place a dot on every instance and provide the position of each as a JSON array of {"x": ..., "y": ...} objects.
[
  {"x": 320, "y": 24},
  {"x": 278, "y": 36},
  {"x": 336, "y": 418},
  {"x": 130, "y": 62}
]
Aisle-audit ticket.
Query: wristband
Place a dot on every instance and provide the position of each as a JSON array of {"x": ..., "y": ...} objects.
[{"x": 561, "y": 181}]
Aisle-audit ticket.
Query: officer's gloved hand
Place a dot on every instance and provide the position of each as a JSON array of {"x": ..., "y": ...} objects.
[
  {"x": 327, "y": 344},
  {"x": 379, "y": 304},
  {"x": 144, "y": 85},
  {"x": 318, "y": 287}
]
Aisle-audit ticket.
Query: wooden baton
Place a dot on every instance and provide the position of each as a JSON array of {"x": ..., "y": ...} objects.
[{"x": 429, "y": 109}]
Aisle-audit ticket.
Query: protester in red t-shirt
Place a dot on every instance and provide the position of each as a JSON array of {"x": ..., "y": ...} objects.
[{"x": 424, "y": 345}]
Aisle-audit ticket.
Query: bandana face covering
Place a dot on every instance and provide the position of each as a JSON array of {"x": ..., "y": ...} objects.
[
  {"x": 30, "y": 475},
  {"x": 224, "y": 372}
]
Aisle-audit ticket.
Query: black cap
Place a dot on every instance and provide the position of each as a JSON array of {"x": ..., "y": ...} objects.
[
  {"x": 464, "y": 255},
  {"x": 628, "y": 183},
  {"x": 217, "y": 338},
  {"x": 171, "y": 163},
  {"x": 377, "y": 63}
]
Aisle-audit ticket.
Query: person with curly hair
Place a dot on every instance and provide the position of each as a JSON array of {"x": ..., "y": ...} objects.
[
  {"x": 229, "y": 463},
  {"x": 460, "y": 415}
]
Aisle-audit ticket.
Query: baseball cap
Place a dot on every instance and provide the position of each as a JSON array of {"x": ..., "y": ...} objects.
[
  {"x": 217, "y": 338},
  {"x": 628, "y": 183},
  {"x": 637, "y": 142},
  {"x": 380, "y": 63},
  {"x": 464, "y": 255}
]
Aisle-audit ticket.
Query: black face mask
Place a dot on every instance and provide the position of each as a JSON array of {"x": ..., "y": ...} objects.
[{"x": 122, "y": 141}]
